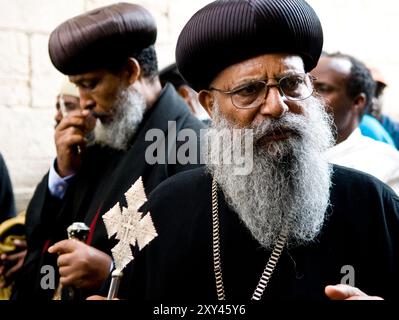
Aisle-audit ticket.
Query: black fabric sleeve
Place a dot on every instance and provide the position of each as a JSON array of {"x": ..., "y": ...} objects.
[{"x": 7, "y": 204}]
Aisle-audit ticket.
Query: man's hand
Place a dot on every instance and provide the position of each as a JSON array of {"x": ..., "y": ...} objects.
[
  {"x": 80, "y": 265},
  {"x": 345, "y": 292},
  {"x": 10, "y": 264},
  {"x": 70, "y": 140}
]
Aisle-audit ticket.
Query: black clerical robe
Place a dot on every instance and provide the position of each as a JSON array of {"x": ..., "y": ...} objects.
[
  {"x": 7, "y": 205},
  {"x": 358, "y": 244},
  {"x": 104, "y": 177}
]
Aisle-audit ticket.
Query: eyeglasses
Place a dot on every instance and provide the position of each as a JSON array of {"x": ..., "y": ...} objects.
[{"x": 294, "y": 87}]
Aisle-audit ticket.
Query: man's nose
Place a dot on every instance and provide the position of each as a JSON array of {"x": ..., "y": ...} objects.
[
  {"x": 86, "y": 101},
  {"x": 274, "y": 104},
  {"x": 58, "y": 116}
]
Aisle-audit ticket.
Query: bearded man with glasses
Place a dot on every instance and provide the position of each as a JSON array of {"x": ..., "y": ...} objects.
[{"x": 295, "y": 227}]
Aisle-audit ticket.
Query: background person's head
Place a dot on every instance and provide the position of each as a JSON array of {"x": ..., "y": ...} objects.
[
  {"x": 347, "y": 86},
  {"x": 380, "y": 85},
  {"x": 249, "y": 61},
  {"x": 67, "y": 100},
  {"x": 108, "y": 53},
  {"x": 172, "y": 75}
]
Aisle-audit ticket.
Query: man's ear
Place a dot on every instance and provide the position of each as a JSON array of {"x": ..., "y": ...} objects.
[
  {"x": 133, "y": 70},
  {"x": 184, "y": 92},
  {"x": 205, "y": 97},
  {"x": 359, "y": 104}
]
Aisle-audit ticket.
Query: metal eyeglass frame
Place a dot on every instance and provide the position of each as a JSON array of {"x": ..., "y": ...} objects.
[{"x": 267, "y": 86}]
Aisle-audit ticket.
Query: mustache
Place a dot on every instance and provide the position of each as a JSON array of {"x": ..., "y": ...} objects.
[
  {"x": 100, "y": 114},
  {"x": 293, "y": 124}
]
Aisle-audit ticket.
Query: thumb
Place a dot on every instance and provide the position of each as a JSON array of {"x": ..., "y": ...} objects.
[
  {"x": 346, "y": 292},
  {"x": 340, "y": 291}
]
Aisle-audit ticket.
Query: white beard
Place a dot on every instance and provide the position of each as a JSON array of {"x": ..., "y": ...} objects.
[
  {"x": 290, "y": 178},
  {"x": 130, "y": 107}
]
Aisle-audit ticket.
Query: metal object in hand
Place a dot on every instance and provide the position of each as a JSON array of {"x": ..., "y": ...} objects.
[
  {"x": 78, "y": 231},
  {"x": 115, "y": 281}
]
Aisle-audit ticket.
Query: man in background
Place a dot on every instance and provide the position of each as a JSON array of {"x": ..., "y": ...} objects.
[
  {"x": 347, "y": 86},
  {"x": 376, "y": 113},
  {"x": 67, "y": 100},
  {"x": 172, "y": 75}
]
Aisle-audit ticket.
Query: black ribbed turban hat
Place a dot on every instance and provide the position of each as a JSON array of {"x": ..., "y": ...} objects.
[
  {"x": 226, "y": 32},
  {"x": 101, "y": 38}
]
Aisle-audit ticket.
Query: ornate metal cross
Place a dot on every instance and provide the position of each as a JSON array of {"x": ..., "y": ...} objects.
[{"x": 130, "y": 226}]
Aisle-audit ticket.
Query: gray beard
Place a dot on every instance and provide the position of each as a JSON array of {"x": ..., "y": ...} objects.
[
  {"x": 290, "y": 180},
  {"x": 130, "y": 107}
]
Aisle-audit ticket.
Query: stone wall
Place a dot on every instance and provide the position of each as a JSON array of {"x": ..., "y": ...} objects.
[{"x": 29, "y": 83}]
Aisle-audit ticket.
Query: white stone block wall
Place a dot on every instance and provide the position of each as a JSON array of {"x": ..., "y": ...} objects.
[{"x": 29, "y": 83}]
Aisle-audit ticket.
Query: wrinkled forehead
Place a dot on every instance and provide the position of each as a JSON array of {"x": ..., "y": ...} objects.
[{"x": 261, "y": 67}]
